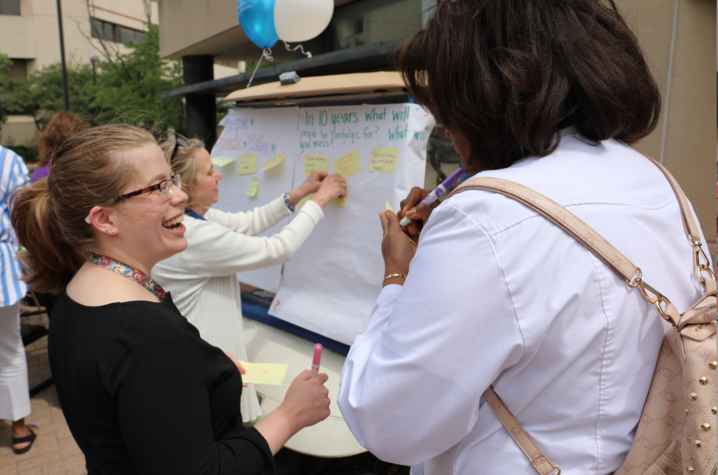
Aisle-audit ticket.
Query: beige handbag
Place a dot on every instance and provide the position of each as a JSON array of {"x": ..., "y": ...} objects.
[{"x": 677, "y": 431}]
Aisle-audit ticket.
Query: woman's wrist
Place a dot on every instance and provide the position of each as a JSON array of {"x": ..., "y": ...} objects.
[
  {"x": 277, "y": 428},
  {"x": 296, "y": 196},
  {"x": 320, "y": 200},
  {"x": 394, "y": 275}
]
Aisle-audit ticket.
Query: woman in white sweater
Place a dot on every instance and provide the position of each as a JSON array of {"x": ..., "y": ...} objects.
[{"x": 203, "y": 278}]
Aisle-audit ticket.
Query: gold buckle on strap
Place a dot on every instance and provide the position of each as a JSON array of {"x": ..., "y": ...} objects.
[
  {"x": 657, "y": 299},
  {"x": 700, "y": 267}
]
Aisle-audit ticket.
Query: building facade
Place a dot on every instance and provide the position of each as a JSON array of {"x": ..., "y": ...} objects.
[{"x": 29, "y": 35}]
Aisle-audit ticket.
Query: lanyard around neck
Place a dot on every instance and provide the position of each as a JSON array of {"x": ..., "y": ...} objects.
[
  {"x": 131, "y": 273},
  {"x": 195, "y": 214}
]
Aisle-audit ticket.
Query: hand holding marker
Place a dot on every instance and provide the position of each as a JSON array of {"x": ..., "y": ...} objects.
[
  {"x": 438, "y": 191},
  {"x": 317, "y": 359}
]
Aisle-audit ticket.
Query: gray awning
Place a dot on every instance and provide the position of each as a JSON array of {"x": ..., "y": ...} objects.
[{"x": 365, "y": 58}]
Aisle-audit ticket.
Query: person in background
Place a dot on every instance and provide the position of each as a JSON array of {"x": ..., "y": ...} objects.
[
  {"x": 14, "y": 390},
  {"x": 547, "y": 94},
  {"x": 203, "y": 278},
  {"x": 140, "y": 390},
  {"x": 60, "y": 127}
]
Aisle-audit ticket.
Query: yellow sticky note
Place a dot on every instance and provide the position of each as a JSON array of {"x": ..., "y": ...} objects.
[
  {"x": 304, "y": 200},
  {"x": 319, "y": 163},
  {"x": 273, "y": 162},
  {"x": 248, "y": 164},
  {"x": 340, "y": 201},
  {"x": 349, "y": 164},
  {"x": 253, "y": 187},
  {"x": 389, "y": 208},
  {"x": 264, "y": 373},
  {"x": 383, "y": 160},
  {"x": 222, "y": 161}
]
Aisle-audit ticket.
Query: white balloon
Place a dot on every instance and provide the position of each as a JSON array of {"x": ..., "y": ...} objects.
[{"x": 301, "y": 20}]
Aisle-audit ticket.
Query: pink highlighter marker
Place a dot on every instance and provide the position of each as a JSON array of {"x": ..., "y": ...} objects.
[{"x": 317, "y": 359}]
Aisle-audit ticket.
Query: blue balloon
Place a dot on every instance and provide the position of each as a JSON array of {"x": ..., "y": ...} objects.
[{"x": 257, "y": 20}]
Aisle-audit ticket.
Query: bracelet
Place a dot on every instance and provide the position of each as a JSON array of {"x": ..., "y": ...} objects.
[
  {"x": 393, "y": 275},
  {"x": 286, "y": 202}
]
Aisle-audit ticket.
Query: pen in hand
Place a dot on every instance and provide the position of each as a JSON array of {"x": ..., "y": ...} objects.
[
  {"x": 317, "y": 359},
  {"x": 438, "y": 191}
]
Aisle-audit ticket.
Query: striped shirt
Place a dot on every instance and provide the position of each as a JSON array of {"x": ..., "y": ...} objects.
[{"x": 13, "y": 174}]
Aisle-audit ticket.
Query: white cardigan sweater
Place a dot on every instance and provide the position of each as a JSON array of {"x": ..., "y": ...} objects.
[{"x": 203, "y": 280}]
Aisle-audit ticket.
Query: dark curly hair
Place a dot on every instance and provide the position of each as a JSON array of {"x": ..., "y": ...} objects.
[
  {"x": 60, "y": 127},
  {"x": 508, "y": 74}
]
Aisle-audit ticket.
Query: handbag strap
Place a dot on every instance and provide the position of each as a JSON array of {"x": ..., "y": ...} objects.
[
  {"x": 536, "y": 457},
  {"x": 689, "y": 224},
  {"x": 600, "y": 247}
]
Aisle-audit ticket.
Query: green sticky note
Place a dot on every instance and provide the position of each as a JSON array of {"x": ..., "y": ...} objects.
[
  {"x": 253, "y": 187},
  {"x": 222, "y": 161},
  {"x": 248, "y": 164},
  {"x": 264, "y": 373}
]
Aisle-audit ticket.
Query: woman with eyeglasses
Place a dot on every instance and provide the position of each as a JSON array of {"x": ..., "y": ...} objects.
[
  {"x": 140, "y": 390},
  {"x": 203, "y": 278}
]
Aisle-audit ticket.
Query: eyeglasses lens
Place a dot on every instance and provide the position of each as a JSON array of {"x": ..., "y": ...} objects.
[{"x": 165, "y": 189}]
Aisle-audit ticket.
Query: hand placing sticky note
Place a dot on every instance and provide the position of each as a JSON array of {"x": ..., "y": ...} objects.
[
  {"x": 248, "y": 164},
  {"x": 349, "y": 164},
  {"x": 264, "y": 373},
  {"x": 383, "y": 160},
  {"x": 315, "y": 163},
  {"x": 222, "y": 161},
  {"x": 272, "y": 162},
  {"x": 389, "y": 208},
  {"x": 253, "y": 187},
  {"x": 335, "y": 202},
  {"x": 340, "y": 201}
]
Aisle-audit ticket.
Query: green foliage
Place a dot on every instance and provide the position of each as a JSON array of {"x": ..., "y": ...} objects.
[
  {"x": 5, "y": 62},
  {"x": 129, "y": 89},
  {"x": 263, "y": 64},
  {"x": 29, "y": 154},
  {"x": 43, "y": 91}
]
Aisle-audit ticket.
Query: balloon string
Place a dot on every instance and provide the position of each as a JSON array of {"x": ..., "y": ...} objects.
[
  {"x": 300, "y": 47},
  {"x": 266, "y": 54}
]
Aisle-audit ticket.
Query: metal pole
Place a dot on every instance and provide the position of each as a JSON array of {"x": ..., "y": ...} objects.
[
  {"x": 62, "y": 57},
  {"x": 94, "y": 75}
]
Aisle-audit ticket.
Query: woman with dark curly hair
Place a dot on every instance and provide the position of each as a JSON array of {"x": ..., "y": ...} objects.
[
  {"x": 549, "y": 94},
  {"x": 59, "y": 128}
]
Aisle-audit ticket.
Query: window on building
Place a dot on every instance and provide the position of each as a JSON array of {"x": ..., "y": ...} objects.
[
  {"x": 371, "y": 21},
  {"x": 9, "y": 7},
  {"x": 230, "y": 63},
  {"x": 105, "y": 30},
  {"x": 18, "y": 69}
]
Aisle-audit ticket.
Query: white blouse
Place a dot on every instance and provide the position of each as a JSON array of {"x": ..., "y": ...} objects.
[
  {"x": 497, "y": 294},
  {"x": 203, "y": 281}
]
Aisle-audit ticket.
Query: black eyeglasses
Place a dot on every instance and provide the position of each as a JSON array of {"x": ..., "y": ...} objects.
[
  {"x": 165, "y": 187},
  {"x": 179, "y": 142}
]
